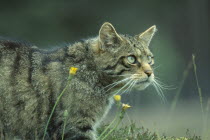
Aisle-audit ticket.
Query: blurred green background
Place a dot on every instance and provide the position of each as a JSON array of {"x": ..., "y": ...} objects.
[{"x": 183, "y": 30}]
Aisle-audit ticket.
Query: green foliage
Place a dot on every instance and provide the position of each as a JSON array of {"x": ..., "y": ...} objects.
[{"x": 140, "y": 133}]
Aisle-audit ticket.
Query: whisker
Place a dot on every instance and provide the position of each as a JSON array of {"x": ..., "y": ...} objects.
[
  {"x": 156, "y": 67},
  {"x": 123, "y": 86},
  {"x": 132, "y": 86},
  {"x": 122, "y": 75},
  {"x": 128, "y": 87},
  {"x": 117, "y": 82},
  {"x": 160, "y": 85},
  {"x": 156, "y": 89},
  {"x": 163, "y": 85},
  {"x": 159, "y": 91}
]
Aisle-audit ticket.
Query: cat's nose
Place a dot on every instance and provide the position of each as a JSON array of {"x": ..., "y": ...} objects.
[
  {"x": 148, "y": 72},
  {"x": 147, "y": 69}
]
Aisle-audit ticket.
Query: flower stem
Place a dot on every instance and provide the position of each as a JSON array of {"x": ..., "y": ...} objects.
[
  {"x": 117, "y": 124},
  {"x": 56, "y": 103},
  {"x": 64, "y": 126},
  {"x": 116, "y": 116}
]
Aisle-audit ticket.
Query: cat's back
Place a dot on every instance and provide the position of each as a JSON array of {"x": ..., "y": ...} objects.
[
  {"x": 14, "y": 60},
  {"x": 11, "y": 51}
]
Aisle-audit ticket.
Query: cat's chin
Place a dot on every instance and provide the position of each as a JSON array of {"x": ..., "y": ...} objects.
[{"x": 142, "y": 85}]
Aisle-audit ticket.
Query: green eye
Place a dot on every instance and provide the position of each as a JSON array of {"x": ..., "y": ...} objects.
[
  {"x": 149, "y": 59},
  {"x": 131, "y": 59}
]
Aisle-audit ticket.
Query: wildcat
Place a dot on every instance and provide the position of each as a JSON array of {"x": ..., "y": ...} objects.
[{"x": 31, "y": 79}]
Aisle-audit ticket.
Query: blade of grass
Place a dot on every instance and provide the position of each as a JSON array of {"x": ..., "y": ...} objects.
[
  {"x": 205, "y": 134},
  {"x": 175, "y": 100},
  {"x": 200, "y": 95},
  {"x": 185, "y": 75},
  {"x": 198, "y": 86}
]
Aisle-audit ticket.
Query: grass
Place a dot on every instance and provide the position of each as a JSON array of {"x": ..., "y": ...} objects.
[
  {"x": 198, "y": 86},
  {"x": 204, "y": 114},
  {"x": 134, "y": 133}
]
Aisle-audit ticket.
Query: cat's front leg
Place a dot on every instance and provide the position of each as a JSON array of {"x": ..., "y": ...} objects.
[
  {"x": 80, "y": 136},
  {"x": 80, "y": 131}
]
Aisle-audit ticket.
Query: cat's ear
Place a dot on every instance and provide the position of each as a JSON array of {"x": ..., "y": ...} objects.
[
  {"x": 147, "y": 36},
  {"x": 108, "y": 35}
]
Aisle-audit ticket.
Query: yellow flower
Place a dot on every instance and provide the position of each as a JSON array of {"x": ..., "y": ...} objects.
[
  {"x": 125, "y": 106},
  {"x": 73, "y": 70},
  {"x": 117, "y": 98}
]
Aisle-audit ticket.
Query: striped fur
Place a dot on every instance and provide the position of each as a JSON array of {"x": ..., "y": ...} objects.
[{"x": 31, "y": 79}]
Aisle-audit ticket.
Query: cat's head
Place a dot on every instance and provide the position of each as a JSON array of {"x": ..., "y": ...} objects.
[{"x": 127, "y": 58}]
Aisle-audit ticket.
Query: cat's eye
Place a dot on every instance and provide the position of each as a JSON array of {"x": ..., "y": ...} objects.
[
  {"x": 149, "y": 59},
  {"x": 131, "y": 59}
]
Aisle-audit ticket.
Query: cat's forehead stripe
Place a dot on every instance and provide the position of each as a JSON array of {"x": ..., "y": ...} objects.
[
  {"x": 138, "y": 52},
  {"x": 133, "y": 42}
]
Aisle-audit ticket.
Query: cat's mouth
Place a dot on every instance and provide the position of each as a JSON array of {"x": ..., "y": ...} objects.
[
  {"x": 143, "y": 82},
  {"x": 141, "y": 85}
]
